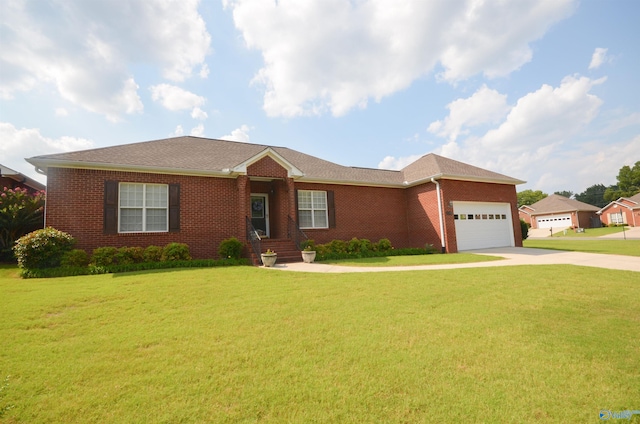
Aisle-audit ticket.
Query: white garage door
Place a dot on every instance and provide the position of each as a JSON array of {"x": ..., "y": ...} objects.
[
  {"x": 480, "y": 225},
  {"x": 554, "y": 221}
]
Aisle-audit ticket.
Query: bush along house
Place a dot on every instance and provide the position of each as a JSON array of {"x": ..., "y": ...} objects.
[{"x": 201, "y": 191}]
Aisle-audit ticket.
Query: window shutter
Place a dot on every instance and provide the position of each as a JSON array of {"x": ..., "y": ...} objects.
[
  {"x": 110, "y": 224},
  {"x": 174, "y": 207},
  {"x": 297, "y": 210},
  {"x": 331, "y": 209}
]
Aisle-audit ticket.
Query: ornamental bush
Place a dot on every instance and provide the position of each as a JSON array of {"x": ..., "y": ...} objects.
[
  {"x": 524, "y": 227},
  {"x": 383, "y": 245},
  {"x": 230, "y": 248},
  {"x": 129, "y": 255},
  {"x": 42, "y": 248},
  {"x": 103, "y": 256},
  {"x": 75, "y": 258},
  {"x": 176, "y": 252},
  {"x": 152, "y": 254}
]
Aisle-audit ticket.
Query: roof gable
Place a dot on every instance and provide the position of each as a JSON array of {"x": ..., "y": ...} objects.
[
  {"x": 435, "y": 166},
  {"x": 292, "y": 170},
  {"x": 556, "y": 203}
]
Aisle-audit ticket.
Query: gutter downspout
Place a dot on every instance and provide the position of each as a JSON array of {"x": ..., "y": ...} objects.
[{"x": 444, "y": 249}]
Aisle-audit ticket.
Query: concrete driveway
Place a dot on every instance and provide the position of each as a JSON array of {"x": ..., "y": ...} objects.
[{"x": 512, "y": 256}]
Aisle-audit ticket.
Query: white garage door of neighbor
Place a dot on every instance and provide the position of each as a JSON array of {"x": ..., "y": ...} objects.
[
  {"x": 554, "y": 221},
  {"x": 480, "y": 225}
]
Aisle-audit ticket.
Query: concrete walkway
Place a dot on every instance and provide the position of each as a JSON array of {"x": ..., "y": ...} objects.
[{"x": 512, "y": 256}]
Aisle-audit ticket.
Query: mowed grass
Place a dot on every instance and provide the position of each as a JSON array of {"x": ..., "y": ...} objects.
[
  {"x": 589, "y": 232},
  {"x": 507, "y": 344},
  {"x": 435, "y": 259},
  {"x": 613, "y": 247}
]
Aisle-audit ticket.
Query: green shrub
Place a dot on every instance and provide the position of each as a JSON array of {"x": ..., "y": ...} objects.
[
  {"x": 366, "y": 245},
  {"x": 129, "y": 255},
  {"x": 75, "y": 258},
  {"x": 337, "y": 246},
  {"x": 383, "y": 245},
  {"x": 524, "y": 227},
  {"x": 103, "y": 256},
  {"x": 353, "y": 246},
  {"x": 42, "y": 248},
  {"x": 176, "y": 252},
  {"x": 152, "y": 254},
  {"x": 230, "y": 248}
]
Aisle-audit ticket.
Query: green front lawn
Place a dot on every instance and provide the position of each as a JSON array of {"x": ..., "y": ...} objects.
[
  {"x": 614, "y": 247},
  {"x": 506, "y": 344},
  {"x": 590, "y": 232}
]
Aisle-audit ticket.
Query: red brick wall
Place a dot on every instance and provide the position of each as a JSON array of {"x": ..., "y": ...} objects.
[
  {"x": 212, "y": 209},
  {"x": 363, "y": 212},
  {"x": 632, "y": 218},
  {"x": 75, "y": 205}
]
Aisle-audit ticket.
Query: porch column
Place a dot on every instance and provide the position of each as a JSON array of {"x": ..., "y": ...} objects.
[
  {"x": 292, "y": 199},
  {"x": 243, "y": 202}
]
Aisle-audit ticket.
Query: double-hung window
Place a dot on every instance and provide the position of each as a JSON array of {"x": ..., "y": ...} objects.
[
  {"x": 312, "y": 209},
  {"x": 143, "y": 207}
]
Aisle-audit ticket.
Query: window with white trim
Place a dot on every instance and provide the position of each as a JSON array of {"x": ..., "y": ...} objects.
[
  {"x": 616, "y": 218},
  {"x": 312, "y": 209},
  {"x": 143, "y": 208}
]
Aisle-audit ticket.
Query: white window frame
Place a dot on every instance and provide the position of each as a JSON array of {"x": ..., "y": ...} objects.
[
  {"x": 617, "y": 218},
  {"x": 144, "y": 208},
  {"x": 315, "y": 209}
]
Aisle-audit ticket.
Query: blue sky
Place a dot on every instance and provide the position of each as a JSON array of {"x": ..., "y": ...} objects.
[{"x": 543, "y": 91}]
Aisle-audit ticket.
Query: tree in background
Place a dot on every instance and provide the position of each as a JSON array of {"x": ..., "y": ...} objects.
[
  {"x": 628, "y": 183},
  {"x": 565, "y": 193},
  {"x": 593, "y": 195},
  {"x": 529, "y": 197},
  {"x": 20, "y": 213}
]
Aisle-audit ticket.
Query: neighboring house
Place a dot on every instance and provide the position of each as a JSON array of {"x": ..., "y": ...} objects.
[
  {"x": 13, "y": 179},
  {"x": 560, "y": 212},
  {"x": 200, "y": 191},
  {"x": 625, "y": 210}
]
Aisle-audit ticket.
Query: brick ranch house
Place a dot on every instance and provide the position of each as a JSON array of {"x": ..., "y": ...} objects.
[
  {"x": 560, "y": 212},
  {"x": 200, "y": 191},
  {"x": 625, "y": 210}
]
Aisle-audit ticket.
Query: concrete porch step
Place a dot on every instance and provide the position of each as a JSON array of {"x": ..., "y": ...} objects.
[{"x": 285, "y": 248}]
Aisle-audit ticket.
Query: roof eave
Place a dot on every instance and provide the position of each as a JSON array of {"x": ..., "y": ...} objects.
[
  {"x": 42, "y": 166},
  {"x": 441, "y": 176}
]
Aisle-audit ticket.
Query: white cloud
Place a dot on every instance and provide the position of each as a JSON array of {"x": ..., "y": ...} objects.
[
  {"x": 178, "y": 131},
  {"x": 598, "y": 58},
  {"x": 18, "y": 144},
  {"x": 391, "y": 162},
  {"x": 175, "y": 98},
  {"x": 485, "y": 106},
  {"x": 60, "y": 111},
  {"x": 197, "y": 131},
  {"x": 85, "y": 49},
  {"x": 538, "y": 138},
  {"x": 204, "y": 71},
  {"x": 239, "y": 134},
  {"x": 373, "y": 48},
  {"x": 198, "y": 113}
]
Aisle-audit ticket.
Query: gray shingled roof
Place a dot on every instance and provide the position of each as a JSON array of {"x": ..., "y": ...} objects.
[
  {"x": 209, "y": 156},
  {"x": 556, "y": 204}
]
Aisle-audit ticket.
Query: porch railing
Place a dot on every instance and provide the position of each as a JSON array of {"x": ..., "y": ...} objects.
[
  {"x": 295, "y": 233},
  {"x": 254, "y": 238}
]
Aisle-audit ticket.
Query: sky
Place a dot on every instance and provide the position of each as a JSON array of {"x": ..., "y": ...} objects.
[{"x": 544, "y": 91}]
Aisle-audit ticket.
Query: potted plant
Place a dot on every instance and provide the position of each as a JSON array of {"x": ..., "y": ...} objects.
[
  {"x": 308, "y": 252},
  {"x": 269, "y": 258}
]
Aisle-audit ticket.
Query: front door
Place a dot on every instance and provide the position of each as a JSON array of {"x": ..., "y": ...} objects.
[{"x": 260, "y": 213}]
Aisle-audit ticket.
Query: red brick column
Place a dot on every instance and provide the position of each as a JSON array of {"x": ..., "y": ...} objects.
[{"x": 243, "y": 200}]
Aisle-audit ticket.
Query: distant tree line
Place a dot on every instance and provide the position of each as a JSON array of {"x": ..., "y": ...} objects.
[{"x": 598, "y": 194}]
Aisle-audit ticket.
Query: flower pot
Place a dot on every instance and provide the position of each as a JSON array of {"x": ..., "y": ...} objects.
[
  {"x": 269, "y": 259},
  {"x": 308, "y": 256}
]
